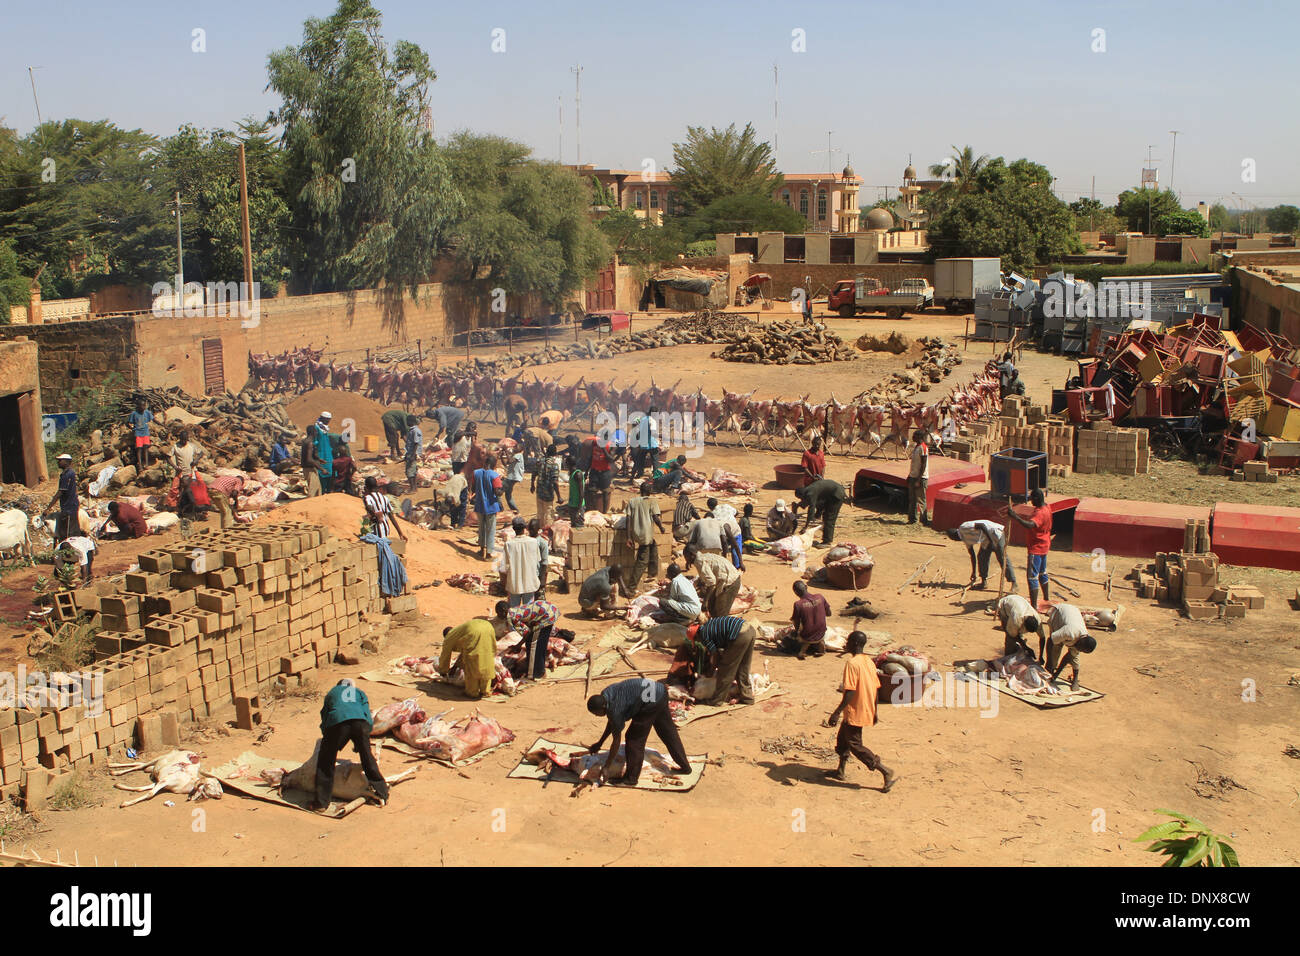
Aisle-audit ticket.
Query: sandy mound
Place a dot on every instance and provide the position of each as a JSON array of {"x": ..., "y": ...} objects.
[{"x": 303, "y": 410}]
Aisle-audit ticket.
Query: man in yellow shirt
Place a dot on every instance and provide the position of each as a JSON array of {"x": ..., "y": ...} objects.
[
  {"x": 476, "y": 642},
  {"x": 858, "y": 705}
]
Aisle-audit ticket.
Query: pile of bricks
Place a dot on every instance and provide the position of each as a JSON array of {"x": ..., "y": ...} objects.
[
  {"x": 589, "y": 550},
  {"x": 1254, "y": 471},
  {"x": 1104, "y": 449},
  {"x": 977, "y": 441},
  {"x": 1192, "y": 581},
  {"x": 198, "y": 631}
]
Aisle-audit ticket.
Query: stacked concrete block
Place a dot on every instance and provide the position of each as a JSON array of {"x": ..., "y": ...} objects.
[
  {"x": 1192, "y": 581},
  {"x": 1254, "y": 471},
  {"x": 1104, "y": 449},
  {"x": 198, "y": 631},
  {"x": 977, "y": 441}
]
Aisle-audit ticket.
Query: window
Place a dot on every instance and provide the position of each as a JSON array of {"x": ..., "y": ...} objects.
[
  {"x": 785, "y": 196},
  {"x": 821, "y": 204},
  {"x": 654, "y": 199},
  {"x": 803, "y": 202},
  {"x": 637, "y": 200},
  {"x": 670, "y": 202}
]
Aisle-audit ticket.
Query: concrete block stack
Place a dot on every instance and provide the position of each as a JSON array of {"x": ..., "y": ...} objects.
[
  {"x": 977, "y": 441},
  {"x": 199, "y": 630},
  {"x": 1103, "y": 449},
  {"x": 1254, "y": 471},
  {"x": 1192, "y": 581},
  {"x": 588, "y": 551}
]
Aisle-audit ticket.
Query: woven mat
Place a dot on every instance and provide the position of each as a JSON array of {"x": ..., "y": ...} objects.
[
  {"x": 700, "y": 711},
  {"x": 671, "y": 782},
  {"x": 243, "y": 775},
  {"x": 1042, "y": 701}
]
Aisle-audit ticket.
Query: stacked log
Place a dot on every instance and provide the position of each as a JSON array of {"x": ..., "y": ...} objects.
[{"x": 786, "y": 343}]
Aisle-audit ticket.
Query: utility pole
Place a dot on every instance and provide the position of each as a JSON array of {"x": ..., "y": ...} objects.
[
  {"x": 1091, "y": 208},
  {"x": 1149, "y": 166},
  {"x": 180, "y": 261},
  {"x": 559, "y": 111},
  {"x": 245, "y": 232},
  {"x": 32, "y": 76},
  {"x": 577, "y": 106},
  {"x": 1172, "y": 156},
  {"x": 830, "y": 167}
]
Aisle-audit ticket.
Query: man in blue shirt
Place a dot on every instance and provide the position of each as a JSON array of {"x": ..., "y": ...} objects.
[
  {"x": 641, "y": 704},
  {"x": 66, "y": 495},
  {"x": 280, "y": 457},
  {"x": 485, "y": 491},
  {"x": 139, "y": 420},
  {"x": 345, "y": 718}
]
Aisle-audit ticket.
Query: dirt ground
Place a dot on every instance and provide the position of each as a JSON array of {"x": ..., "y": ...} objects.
[{"x": 1187, "y": 704}]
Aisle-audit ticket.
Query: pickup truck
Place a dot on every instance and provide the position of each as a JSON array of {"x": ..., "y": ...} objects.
[{"x": 851, "y": 296}]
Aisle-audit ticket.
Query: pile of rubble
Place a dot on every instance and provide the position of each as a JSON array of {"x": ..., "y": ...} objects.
[
  {"x": 786, "y": 343},
  {"x": 935, "y": 363}
]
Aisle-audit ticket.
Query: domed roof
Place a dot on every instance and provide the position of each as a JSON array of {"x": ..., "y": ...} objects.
[
  {"x": 879, "y": 218},
  {"x": 848, "y": 172},
  {"x": 909, "y": 172}
]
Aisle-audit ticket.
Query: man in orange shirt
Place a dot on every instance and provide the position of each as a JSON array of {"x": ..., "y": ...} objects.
[{"x": 858, "y": 705}]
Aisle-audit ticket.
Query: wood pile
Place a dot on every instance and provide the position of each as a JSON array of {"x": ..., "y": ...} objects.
[{"x": 786, "y": 343}]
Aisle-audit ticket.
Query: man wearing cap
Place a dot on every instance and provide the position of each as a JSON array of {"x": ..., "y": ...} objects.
[
  {"x": 324, "y": 451},
  {"x": 781, "y": 521},
  {"x": 729, "y": 642},
  {"x": 991, "y": 539},
  {"x": 69, "y": 505}
]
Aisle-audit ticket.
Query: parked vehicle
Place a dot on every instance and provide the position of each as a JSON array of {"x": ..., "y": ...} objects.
[
  {"x": 958, "y": 281},
  {"x": 864, "y": 294}
]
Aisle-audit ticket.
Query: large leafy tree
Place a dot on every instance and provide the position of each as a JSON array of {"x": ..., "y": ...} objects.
[
  {"x": 637, "y": 241},
  {"x": 371, "y": 199},
  {"x": 1142, "y": 209},
  {"x": 1094, "y": 215},
  {"x": 743, "y": 213},
  {"x": 526, "y": 225},
  {"x": 1008, "y": 211},
  {"x": 84, "y": 207},
  {"x": 1183, "y": 222},
  {"x": 1283, "y": 218},
  {"x": 714, "y": 164},
  {"x": 15, "y": 288},
  {"x": 204, "y": 167}
]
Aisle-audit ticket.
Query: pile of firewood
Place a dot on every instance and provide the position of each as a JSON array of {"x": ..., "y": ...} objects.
[{"x": 786, "y": 343}]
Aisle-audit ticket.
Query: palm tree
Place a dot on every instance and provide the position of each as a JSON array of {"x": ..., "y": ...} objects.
[{"x": 961, "y": 168}]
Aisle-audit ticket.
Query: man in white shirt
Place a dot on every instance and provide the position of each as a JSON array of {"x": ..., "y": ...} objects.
[
  {"x": 1067, "y": 630},
  {"x": 523, "y": 560},
  {"x": 991, "y": 539},
  {"x": 682, "y": 605},
  {"x": 1019, "y": 618}
]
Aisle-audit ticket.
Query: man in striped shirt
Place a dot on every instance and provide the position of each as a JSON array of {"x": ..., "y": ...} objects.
[
  {"x": 643, "y": 704},
  {"x": 729, "y": 642},
  {"x": 383, "y": 518},
  {"x": 535, "y": 621},
  {"x": 224, "y": 490}
]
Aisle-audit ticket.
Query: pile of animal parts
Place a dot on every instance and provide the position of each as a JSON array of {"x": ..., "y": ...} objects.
[
  {"x": 1023, "y": 674},
  {"x": 514, "y": 654},
  {"x": 468, "y": 581},
  {"x": 901, "y": 661},
  {"x": 455, "y": 741},
  {"x": 588, "y": 766}
]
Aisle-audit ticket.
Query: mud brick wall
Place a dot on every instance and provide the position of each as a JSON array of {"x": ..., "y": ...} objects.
[
  {"x": 75, "y": 354},
  {"x": 196, "y": 628}
]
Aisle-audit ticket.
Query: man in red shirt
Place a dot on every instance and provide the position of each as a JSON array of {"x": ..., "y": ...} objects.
[
  {"x": 814, "y": 462},
  {"x": 809, "y": 620},
  {"x": 1039, "y": 526},
  {"x": 128, "y": 519},
  {"x": 602, "y": 471}
]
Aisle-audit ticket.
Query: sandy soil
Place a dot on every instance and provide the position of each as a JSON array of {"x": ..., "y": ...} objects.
[{"x": 1007, "y": 787}]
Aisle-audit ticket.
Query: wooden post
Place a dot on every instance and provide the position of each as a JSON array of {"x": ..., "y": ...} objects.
[{"x": 419, "y": 353}]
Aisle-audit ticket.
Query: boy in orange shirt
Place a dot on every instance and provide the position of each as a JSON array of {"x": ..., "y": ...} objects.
[{"x": 858, "y": 705}]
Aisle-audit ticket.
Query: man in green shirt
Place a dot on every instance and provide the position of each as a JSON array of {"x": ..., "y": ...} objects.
[
  {"x": 577, "y": 492},
  {"x": 345, "y": 718},
  {"x": 394, "y": 422}
]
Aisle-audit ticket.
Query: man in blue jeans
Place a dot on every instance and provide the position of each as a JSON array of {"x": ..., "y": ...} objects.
[{"x": 486, "y": 494}]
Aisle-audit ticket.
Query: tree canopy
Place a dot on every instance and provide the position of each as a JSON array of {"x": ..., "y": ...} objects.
[
  {"x": 1284, "y": 218},
  {"x": 371, "y": 199},
  {"x": 715, "y": 164},
  {"x": 961, "y": 169},
  {"x": 1008, "y": 211}
]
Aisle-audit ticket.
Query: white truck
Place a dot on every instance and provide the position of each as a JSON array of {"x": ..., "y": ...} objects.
[{"x": 958, "y": 281}]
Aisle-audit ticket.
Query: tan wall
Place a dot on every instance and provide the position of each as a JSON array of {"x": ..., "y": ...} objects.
[
  {"x": 96, "y": 349},
  {"x": 817, "y": 248},
  {"x": 1258, "y": 295},
  {"x": 19, "y": 367}
]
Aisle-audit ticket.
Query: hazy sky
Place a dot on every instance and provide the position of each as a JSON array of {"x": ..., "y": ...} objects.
[{"x": 1011, "y": 79}]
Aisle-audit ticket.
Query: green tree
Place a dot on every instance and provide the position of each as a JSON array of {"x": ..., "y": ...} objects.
[
  {"x": 742, "y": 213},
  {"x": 1141, "y": 209},
  {"x": 15, "y": 288},
  {"x": 1222, "y": 219},
  {"x": 371, "y": 199},
  {"x": 204, "y": 167},
  {"x": 960, "y": 169},
  {"x": 1283, "y": 218},
  {"x": 637, "y": 241},
  {"x": 714, "y": 164},
  {"x": 1183, "y": 222},
  {"x": 82, "y": 199},
  {"x": 1008, "y": 211},
  {"x": 1093, "y": 215},
  {"x": 526, "y": 226}
]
